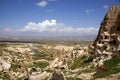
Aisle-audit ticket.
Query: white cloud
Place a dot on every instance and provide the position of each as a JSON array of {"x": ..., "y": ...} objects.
[
  {"x": 40, "y": 27},
  {"x": 87, "y": 30},
  {"x": 89, "y": 10},
  {"x": 50, "y": 28},
  {"x": 7, "y": 30},
  {"x": 105, "y": 6},
  {"x": 66, "y": 30},
  {"x": 42, "y": 3},
  {"x": 53, "y": 26}
]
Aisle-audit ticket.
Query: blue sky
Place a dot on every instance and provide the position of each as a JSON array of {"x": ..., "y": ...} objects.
[{"x": 20, "y": 18}]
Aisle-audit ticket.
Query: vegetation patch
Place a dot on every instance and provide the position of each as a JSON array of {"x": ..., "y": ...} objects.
[
  {"x": 48, "y": 70},
  {"x": 72, "y": 78},
  {"x": 78, "y": 62},
  {"x": 41, "y": 48},
  {"x": 41, "y": 65},
  {"x": 38, "y": 56},
  {"x": 14, "y": 66},
  {"x": 4, "y": 76},
  {"x": 112, "y": 66}
]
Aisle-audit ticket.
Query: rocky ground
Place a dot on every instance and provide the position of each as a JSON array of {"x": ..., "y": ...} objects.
[{"x": 27, "y": 61}]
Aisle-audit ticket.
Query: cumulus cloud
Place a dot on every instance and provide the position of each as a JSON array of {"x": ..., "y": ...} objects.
[
  {"x": 50, "y": 28},
  {"x": 105, "y": 6},
  {"x": 41, "y": 26},
  {"x": 42, "y": 3},
  {"x": 53, "y": 26}
]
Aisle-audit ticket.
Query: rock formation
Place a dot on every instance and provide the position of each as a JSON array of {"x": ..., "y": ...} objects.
[
  {"x": 57, "y": 54},
  {"x": 57, "y": 76},
  {"x": 107, "y": 42},
  {"x": 4, "y": 66}
]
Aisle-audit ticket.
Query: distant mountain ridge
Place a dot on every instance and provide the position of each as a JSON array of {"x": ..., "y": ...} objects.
[{"x": 54, "y": 38}]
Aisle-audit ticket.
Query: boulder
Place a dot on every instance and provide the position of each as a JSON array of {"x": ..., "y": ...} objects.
[{"x": 57, "y": 76}]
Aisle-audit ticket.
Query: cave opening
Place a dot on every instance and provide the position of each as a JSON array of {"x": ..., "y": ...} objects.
[
  {"x": 113, "y": 42},
  {"x": 118, "y": 29}
]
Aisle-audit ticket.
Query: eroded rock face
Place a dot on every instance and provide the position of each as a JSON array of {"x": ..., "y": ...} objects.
[
  {"x": 108, "y": 39},
  {"x": 109, "y": 33},
  {"x": 57, "y": 54}
]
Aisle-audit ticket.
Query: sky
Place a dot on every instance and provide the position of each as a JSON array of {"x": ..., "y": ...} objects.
[{"x": 43, "y": 18}]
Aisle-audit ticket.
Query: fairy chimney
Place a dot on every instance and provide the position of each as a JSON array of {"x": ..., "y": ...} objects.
[
  {"x": 108, "y": 38},
  {"x": 57, "y": 54}
]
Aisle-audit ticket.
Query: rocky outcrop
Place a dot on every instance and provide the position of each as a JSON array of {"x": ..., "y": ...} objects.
[
  {"x": 39, "y": 76},
  {"x": 4, "y": 66},
  {"x": 108, "y": 39},
  {"x": 57, "y": 76},
  {"x": 107, "y": 42},
  {"x": 109, "y": 34},
  {"x": 57, "y": 54}
]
